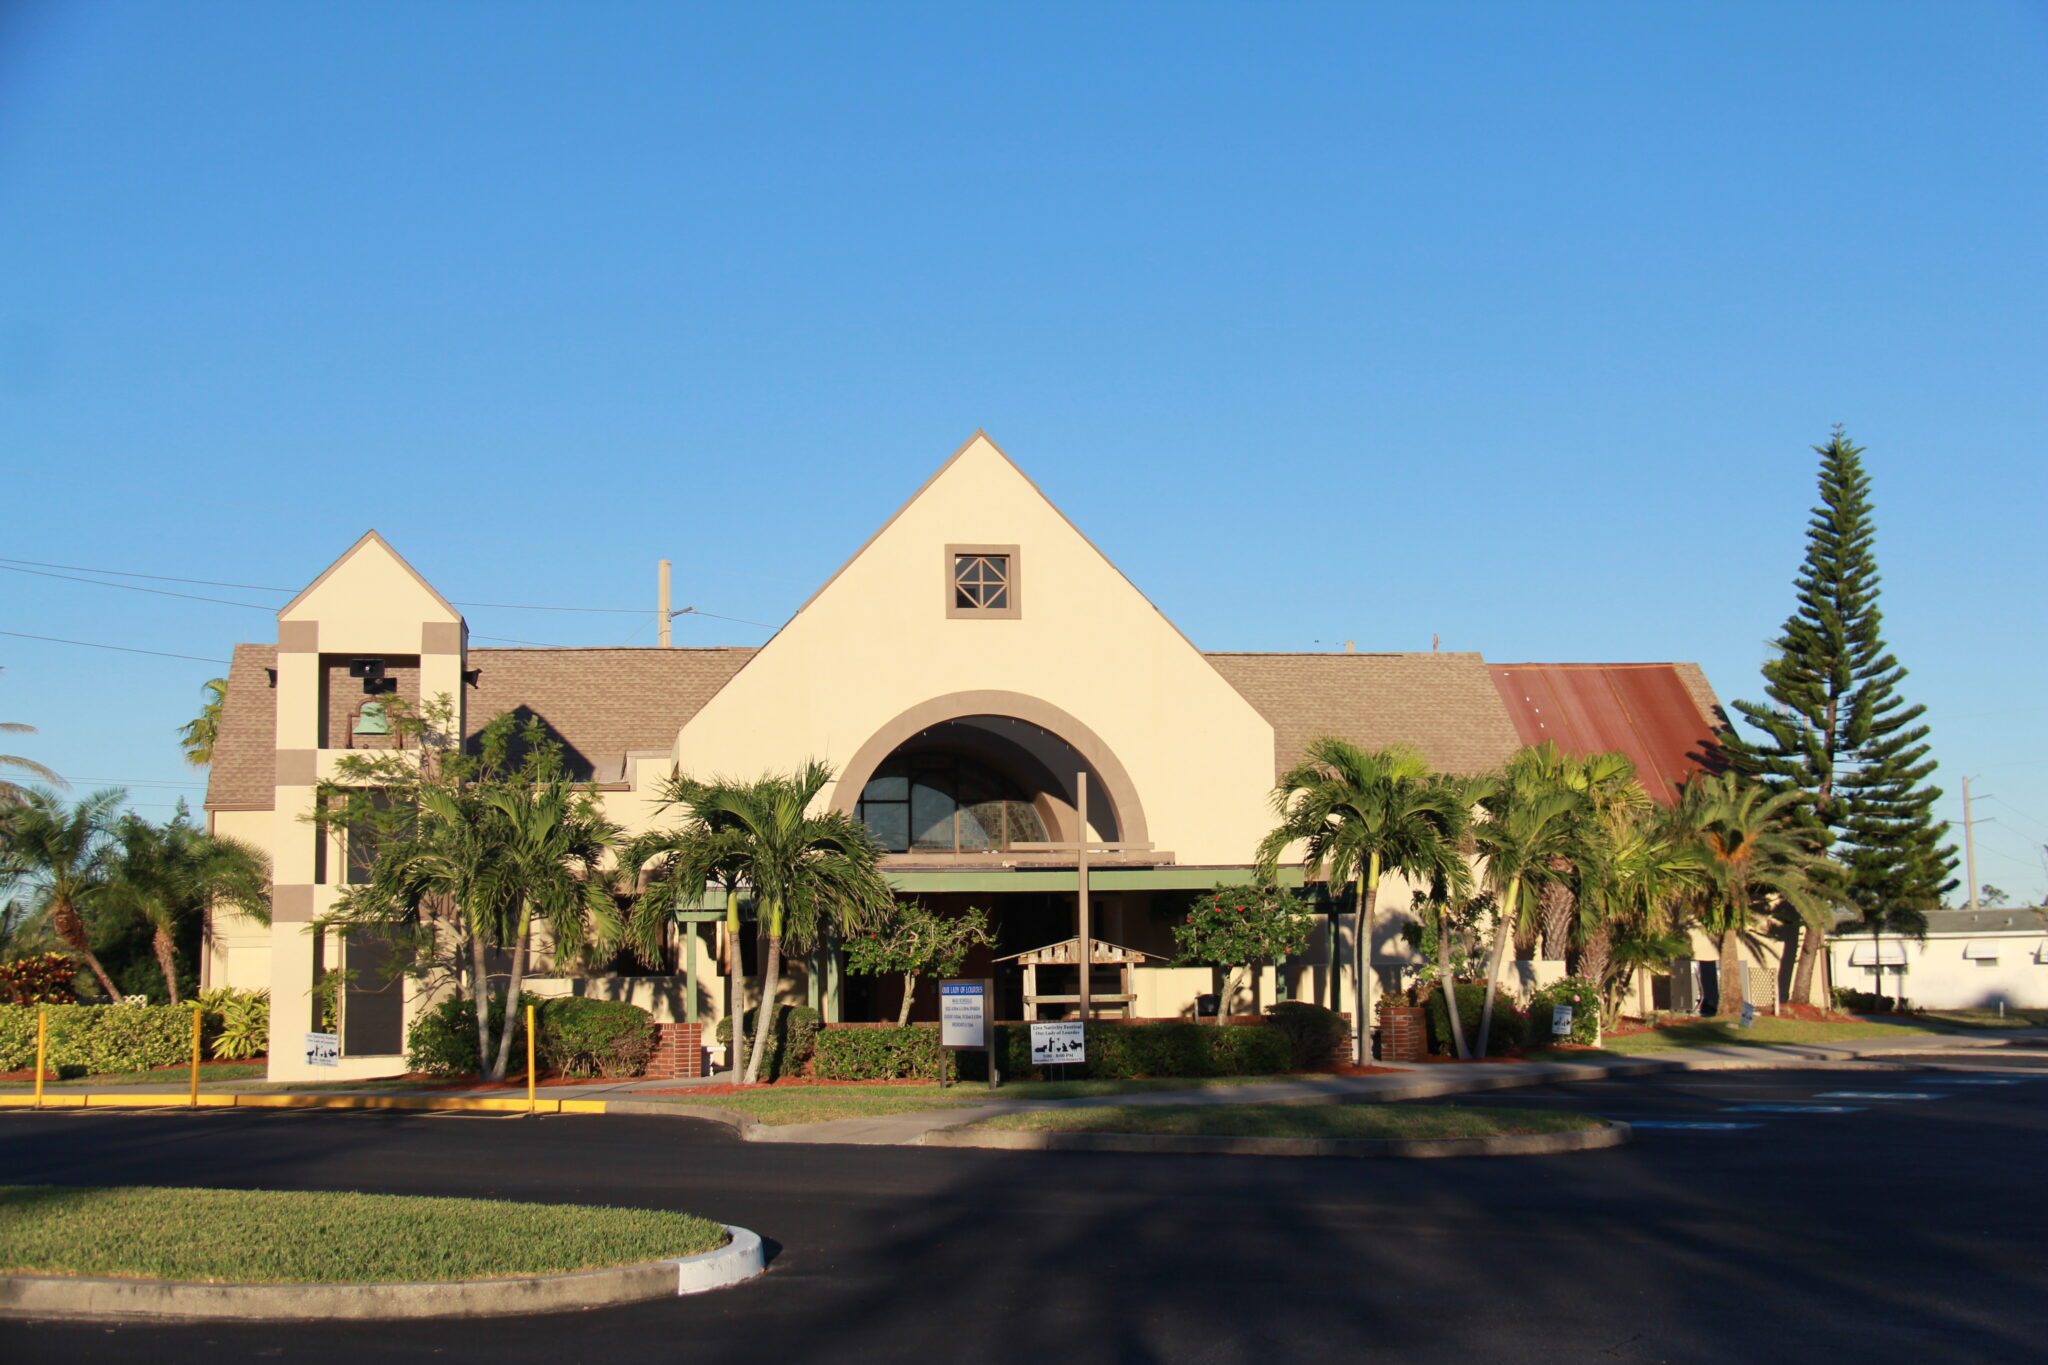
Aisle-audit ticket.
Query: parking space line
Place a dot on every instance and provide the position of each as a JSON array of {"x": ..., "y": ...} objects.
[
  {"x": 1794, "y": 1109},
  {"x": 1685, "y": 1125},
  {"x": 1875, "y": 1095}
]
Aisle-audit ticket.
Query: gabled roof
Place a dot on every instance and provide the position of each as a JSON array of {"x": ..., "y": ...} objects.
[
  {"x": 243, "y": 774},
  {"x": 1663, "y": 716},
  {"x": 368, "y": 540},
  {"x": 602, "y": 704},
  {"x": 1442, "y": 704}
]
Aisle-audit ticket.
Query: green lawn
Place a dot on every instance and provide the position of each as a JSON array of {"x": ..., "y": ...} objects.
[
  {"x": 1991, "y": 1019},
  {"x": 784, "y": 1104},
  {"x": 1296, "y": 1120},
  {"x": 279, "y": 1237},
  {"x": 1717, "y": 1033},
  {"x": 214, "y": 1071}
]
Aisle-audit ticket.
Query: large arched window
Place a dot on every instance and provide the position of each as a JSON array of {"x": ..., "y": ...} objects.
[{"x": 946, "y": 803}]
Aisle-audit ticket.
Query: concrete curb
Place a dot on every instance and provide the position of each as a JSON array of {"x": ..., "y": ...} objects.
[
  {"x": 1610, "y": 1133},
  {"x": 64, "y": 1296},
  {"x": 118, "y": 1099}
]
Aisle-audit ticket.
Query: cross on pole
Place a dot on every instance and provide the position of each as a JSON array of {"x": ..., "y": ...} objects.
[{"x": 1081, "y": 846}]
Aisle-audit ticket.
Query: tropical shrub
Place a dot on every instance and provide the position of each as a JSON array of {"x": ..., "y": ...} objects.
[
  {"x": 792, "y": 1038},
  {"x": 1313, "y": 1033},
  {"x": 97, "y": 1039},
  {"x": 916, "y": 942},
  {"x": 1239, "y": 927},
  {"x": 581, "y": 1037},
  {"x": 1507, "y": 1020},
  {"x": 237, "y": 1022},
  {"x": 1583, "y": 997},
  {"x": 442, "y": 1040},
  {"x": 44, "y": 979}
]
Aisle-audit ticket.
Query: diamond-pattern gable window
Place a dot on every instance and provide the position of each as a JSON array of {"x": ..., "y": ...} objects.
[{"x": 981, "y": 582}]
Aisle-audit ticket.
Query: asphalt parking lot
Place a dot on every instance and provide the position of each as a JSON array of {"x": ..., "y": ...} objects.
[{"x": 1878, "y": 1212}]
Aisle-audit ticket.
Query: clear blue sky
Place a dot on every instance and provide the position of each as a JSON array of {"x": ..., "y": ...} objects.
[{"x": 1507, "y": 323}]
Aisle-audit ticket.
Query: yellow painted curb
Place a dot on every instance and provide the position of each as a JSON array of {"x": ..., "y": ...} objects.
[{"x": 400, "y": 1103}]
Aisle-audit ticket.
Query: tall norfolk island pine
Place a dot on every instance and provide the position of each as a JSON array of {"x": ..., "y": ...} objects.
[{"x": 1835, "y": 726}]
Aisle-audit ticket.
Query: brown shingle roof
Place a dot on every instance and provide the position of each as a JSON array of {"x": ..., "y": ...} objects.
[
  {"x": 1442, "y": 704},
  {"x": 601, "y": 703},
  {"x": 243, "y": 773}
]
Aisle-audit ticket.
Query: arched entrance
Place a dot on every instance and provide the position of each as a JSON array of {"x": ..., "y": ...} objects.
[{"x": 972, "y": 772}]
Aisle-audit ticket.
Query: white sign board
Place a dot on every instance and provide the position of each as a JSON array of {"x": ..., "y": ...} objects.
[
  {"x": 964, "y": 1014},
  {"x": 1063, "y": 1042},
  {"x": 1560, "y": 1020},
  {"x": 1748, "y": 1015},
  {"x": 323, "y": 1049}
]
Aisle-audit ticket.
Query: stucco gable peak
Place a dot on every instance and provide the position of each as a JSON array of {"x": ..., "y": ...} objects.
[{"x": 370, "y": 543}]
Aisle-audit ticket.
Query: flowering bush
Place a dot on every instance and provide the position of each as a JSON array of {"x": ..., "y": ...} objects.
[
  {"x": 44, "y": 979},
  {"x": 1235, "y": 927}
]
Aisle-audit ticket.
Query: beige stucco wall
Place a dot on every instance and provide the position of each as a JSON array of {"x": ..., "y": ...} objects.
[{"x": 877, "y": 641}]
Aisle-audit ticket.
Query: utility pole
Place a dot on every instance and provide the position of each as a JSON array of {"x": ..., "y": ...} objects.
[
  {"x": 1969, "y": 845},
  {"x": 662, "y": 615}
]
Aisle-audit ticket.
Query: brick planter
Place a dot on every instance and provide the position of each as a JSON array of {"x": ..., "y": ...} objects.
[
  {"x": 678, "y": 1053},
  {"x": 1404, "y": 1033}
]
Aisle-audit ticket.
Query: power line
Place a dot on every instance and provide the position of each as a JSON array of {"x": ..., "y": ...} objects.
[
  {"x": 125, "y": 649},
  {"x": 137, "y": 587},
  {"x": 158, "y": 577},
  {"x": 44, "y": 570}
]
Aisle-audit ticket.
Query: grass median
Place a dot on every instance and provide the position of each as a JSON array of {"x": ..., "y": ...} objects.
[
  {"x": 1766, "y": 1031},
  {"x": 296, "y": 1237},
  {"x": 1296, "y": 1120},
  {"x": 796, "y": 1103}
]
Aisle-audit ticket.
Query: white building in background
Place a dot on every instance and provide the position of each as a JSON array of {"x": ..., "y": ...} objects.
[{"x": 1970, "y": 959}]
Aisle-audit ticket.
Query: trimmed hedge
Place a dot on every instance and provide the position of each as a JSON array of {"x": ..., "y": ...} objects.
[
  {"x": 1117, "y": 1052},
  {"x": 90, "y": 1040},
  {"x": 1313, "y": 1033},
  {"x": 578, "y": 1037},
  {"x": 792, "y": 1038},
  {"x": 880, "y": 1053},
  {"x": 442, "y": 1040},
  {"x": 582, "y": 1037},
  {"x": 1507, "y": 1020},
  {"x": 1584, "y": 998}
]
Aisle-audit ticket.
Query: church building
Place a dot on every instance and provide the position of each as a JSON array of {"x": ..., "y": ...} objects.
[{"x": 977, "y": 674}]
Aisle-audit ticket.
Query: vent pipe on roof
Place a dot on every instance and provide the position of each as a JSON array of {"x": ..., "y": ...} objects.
[{"x": 1350, "y": 646}]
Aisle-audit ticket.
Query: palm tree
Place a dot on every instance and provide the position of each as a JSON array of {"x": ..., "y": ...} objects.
[
  {"x": 553, "y": 839},
  {"x": 65, "y": 857},
  {"x": 1530, "y": 826},
  {"x": 1627, "y": 905},
  {"x": 167, "y": 874},
  {"x": 1359, "y": 814},
  {"x": 673, "y": 867},
  {"x": 198, "y": 734},
  {"x": 807, "y": 872},
  {"x": 1756, "y": 855}
]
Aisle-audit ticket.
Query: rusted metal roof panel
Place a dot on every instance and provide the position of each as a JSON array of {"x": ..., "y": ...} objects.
[{"x": 1651, "y": 712}]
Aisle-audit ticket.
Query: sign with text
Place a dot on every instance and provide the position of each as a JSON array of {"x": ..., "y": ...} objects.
[
  {"x": 1560, "y": 1020},
  {"x": 1062, "y": 1042},
  {"x": 966, "y": 1015},
  {"x": 323, "y": 1049},
  {"x": 1748, "y": 1015}
]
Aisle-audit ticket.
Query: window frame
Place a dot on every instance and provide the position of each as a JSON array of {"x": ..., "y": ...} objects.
[{"x": 1013, "y": 585}]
